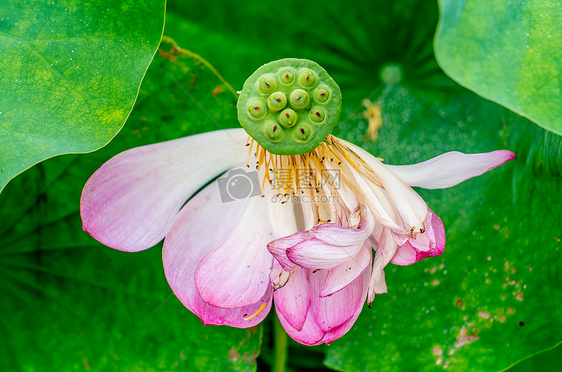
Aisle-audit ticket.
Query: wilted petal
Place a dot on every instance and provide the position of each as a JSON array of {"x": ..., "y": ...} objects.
[
  {"x": 131, "y": 201},
  {"x": 386, "y": 249},
  {"x": 414, "y": 250},
  {"x": 309, "y": 334},
  {"x": 332, "y": 311},
  {"x": 329, "y": 318},
  {"x": 278, "y": 248},
  {"x": 342, "y": 329},
  {"x": 340, "y": 276},
  {"x": 315, "y": 254},
  {"x": 411, "y": 207},
  {"x": 324, "y": 246},
  {"x": 345, "y": 236},
  {"x": 450, "y": 169},
  {"x": 190, "y": 238},
  {"x": 293, "y": 300},
  {"x": 236, "y": 273}
]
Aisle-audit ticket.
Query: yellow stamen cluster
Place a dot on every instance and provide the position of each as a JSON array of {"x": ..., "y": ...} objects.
[{"x": 296, "y": 174}]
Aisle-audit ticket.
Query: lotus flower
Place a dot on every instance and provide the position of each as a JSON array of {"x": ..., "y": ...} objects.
[{"x": 298, "y": 230}]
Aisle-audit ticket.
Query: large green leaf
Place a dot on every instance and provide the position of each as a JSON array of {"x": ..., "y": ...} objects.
[
  {"x": 507, "y": 51},
  {"x": 69, "y": 303},
  {"x": 70, "y": 74}
]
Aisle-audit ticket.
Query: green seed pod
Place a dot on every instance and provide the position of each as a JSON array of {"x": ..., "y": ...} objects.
[{"x": 289, "y": 106}]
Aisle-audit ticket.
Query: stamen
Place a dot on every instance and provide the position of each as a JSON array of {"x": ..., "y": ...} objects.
[{"x": 257, "y": 312}]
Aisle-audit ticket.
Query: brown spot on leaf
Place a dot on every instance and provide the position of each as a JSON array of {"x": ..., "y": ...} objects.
[
  {"x": 218, "y": 90},
  {"x": 233, "y": 354},
  {"x": 463, "y": 340}
]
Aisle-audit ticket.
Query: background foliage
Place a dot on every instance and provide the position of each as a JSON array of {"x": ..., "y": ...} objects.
[{"x": 490, "y": 300}]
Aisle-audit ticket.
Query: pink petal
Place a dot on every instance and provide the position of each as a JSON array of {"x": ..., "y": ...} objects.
[
  {"x": 329, "y": 318},
  {"x": 331, "y": 312},
  {"x": 190, "y": 238},
  {"x": 324, "y": 246},
  {"x": 293, "y": 300},
  {"x": 342, "y": 275},
  {"x": 413, "y": 251},
  {"x": 131, "y": 201},
  {"x": 278, "y": 248},
  {"x": 315, "y": 254},
  {"x": 345, "y": 236},
  {"x": 451, "y": 168},
  {"x": 309, "y": 334},
  {"x": 343, "y": 328},
  {"x": 236, "y": 273}
]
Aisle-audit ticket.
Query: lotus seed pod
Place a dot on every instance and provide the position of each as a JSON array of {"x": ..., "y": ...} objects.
[{"x": 289, "y": 106}]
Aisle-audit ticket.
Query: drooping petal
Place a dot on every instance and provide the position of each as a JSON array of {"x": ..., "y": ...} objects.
[
  {"x": 450, "y": 169},
  {"x": 345, "y": 236},
  {"x": 293, "y": 299},
  {"x": 339, "y": 313},
  {"x": 324, "y": 246},
  {"x": 278, "y": 248},
  {"x": 410, "y": 253},
  {"x": 236, "y": 273},
  {"x": 131, "y": 201},
  {"x": 315, "y": 254},
  {"x": 386, "y": 249},
  {"x": 309, "y": 333},
  {"x": 332, "y": 311},
  {"x": 340, "y": 276},
  {"x": 343, "y": 328},
  {"x": 189, "y": 239}
]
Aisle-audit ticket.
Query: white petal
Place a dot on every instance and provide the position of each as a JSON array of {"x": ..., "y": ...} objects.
[
  {"x": 411, "y": 207},
  {"x": 450, "y": 169}
]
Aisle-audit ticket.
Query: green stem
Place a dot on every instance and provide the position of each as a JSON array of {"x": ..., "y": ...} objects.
[{"x": 280, "y": 345}]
